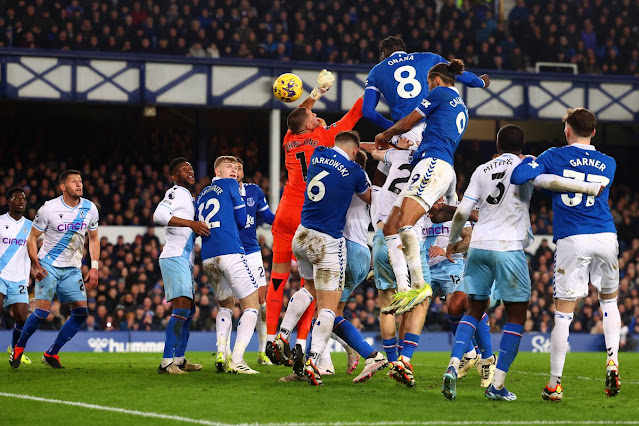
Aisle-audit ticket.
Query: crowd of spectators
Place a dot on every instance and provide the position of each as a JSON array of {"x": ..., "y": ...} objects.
[
  {"x": 599, "y": 36},
  {"x": 130, "y": 295}
]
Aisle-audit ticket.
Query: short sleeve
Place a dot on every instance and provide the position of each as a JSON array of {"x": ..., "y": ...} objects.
[
  {"x": 474, "y": 190},
  {"x": 361, "y": 182},
  {"x": 430, "y": 103},
  {"x": 262, "y": 204},
  {"x": 41, "y": 221},
  {"x": 169, "y": 200},
  {"x": 234, "y": 189}
]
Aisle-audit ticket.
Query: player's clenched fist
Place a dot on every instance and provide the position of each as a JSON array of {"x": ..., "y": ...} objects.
[{"x": 325, "y": 80}]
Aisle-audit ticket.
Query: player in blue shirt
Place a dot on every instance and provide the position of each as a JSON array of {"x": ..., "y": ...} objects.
[
  {"x": 256, "y": 205},
  {"x": 587, "y": 248},
  {"x": 431, "y": 178},
  {"x": 221, "y": 206},
  {"x": 319, "y": 246}
]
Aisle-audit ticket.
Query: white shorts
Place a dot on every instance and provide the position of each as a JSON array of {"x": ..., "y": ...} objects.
[
  {"x": 256, "y": 264},
  {"x": 321, "y": 258},
  {"x": 230, "y": 275},
  {"x": 430, "y": 180},
  {"x": 580, "y": 259}
]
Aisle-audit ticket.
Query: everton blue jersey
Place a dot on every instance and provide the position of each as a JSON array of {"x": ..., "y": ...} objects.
[
  {"x": 255, "y": 205},
  {"x": 331, "y": 181},
  {"x": 574, "y": 214},
  {"x": 446, "y": 120},
  {"x": 222, "y": 208},
  {"x": 401, "y": 78}
]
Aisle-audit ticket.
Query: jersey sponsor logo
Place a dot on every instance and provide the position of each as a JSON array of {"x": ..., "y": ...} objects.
[
  {"x": 296, "y": 144},
  {"x": 250, "y": 221},
  {"x": 533, "y": 164},
  {"x": 576, "y": 162},
  {"x": 435, "y": 230},
  {"x": 73, "y": 226},
  {"x": 395, "y": 61},
  {"x": 14, "y": 241}
]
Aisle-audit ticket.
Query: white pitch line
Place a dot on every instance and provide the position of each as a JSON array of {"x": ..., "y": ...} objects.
[{"x": 382, "y": 423}]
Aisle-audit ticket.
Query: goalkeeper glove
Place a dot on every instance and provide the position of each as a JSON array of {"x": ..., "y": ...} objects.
[{"x": 325, "y": 80}]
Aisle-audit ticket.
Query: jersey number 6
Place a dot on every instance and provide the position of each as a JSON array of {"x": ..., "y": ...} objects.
[{"x": 316, "y": 182}]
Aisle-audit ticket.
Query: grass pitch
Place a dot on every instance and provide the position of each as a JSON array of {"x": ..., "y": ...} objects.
[{"x": 130, "y": 381}]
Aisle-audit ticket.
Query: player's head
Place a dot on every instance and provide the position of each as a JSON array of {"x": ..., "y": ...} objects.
[
  {"x": 389, "y": 45},
  {"x": 71, "y": 183},
  {"x": 360, "y": 158},
  {"x": 240, "y": 168},
  {"x": 579, "y": 124},
  {"x": 182, "y": 172},
  {"x": 444, "y": 74},
  {"x": 348, "y": 141},
  {"x": 302, "y": 120},
  {"x": 226, "y": 167},
  {"x": 17, "y": 200},
  {"x": 510, "y": 138}
]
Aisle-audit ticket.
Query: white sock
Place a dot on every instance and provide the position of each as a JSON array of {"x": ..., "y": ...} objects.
[
  {"x": 611, "y": 327},
  {"x": 302, "y": 343},
  {"x": 321, "y": 333},
  {"x": 499, "y": 379},
  {"x": 298, "y": 304},
  {"x": 223, "y": 326},
  {"x": 245, "y": 329},
  {"x": 398, "y": 262},
  {"x": 454, "y": 362},
  {"x": 410, "y": 248},
  {"x": 340, "y": 341},
  {"x": 178, "y": 360},
  {"x": 559, "y": 346},
  {"x": 261, "y": 328},
  {"x": 166, "y": 362},
  {"x": 270, "y": 337},
  {"x": 325, "y": 359},
  {"x": 471, "y": 353}
]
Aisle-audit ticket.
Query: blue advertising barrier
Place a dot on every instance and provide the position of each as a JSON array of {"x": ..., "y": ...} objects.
[{"x": 153, "y": 341}]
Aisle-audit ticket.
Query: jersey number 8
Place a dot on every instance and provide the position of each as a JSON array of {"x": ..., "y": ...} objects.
[{"x": 404, "y": 81}]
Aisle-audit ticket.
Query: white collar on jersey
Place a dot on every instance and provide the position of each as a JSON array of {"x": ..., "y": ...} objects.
[
  {"x": 242, "y": 189},
  {"x": 583, "y": 146},
  {"x": 12, "y": 219},
  {"x": 68, "y": 206},
  {"x": 398, "y": 51},
  {"x": 341, "y": 151},
  {"x": 453, "y": 88}
]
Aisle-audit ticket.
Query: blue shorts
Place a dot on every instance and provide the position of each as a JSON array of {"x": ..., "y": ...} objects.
[
  {"x": 384, "y": 275},
  {"x": 14, "y": 292},
  {"x": 66, "y": 282},
  {"x": 508, "y": 270},
  {"x": 358, "y": 263},
  {"x": 177, "y": 274},
  {"x": 447, "y": 277}
]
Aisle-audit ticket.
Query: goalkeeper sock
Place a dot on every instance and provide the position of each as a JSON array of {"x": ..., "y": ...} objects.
[
  {"x": 559, "y": 346},
  {"x": 274, "y": 296},
  {"x": 351, "y": 336},
  {"x": 390, "y": 347},
  {"x": 69, "y": 329},
  {"x": 173, "y": 334},
  {"x": 261, "y": 328},
  {"x": 245, "y": 328},
  {"x": 508, "y": 349},
  {"x": 611, "y": 327},
  {"x": 410, "y": 248},
  {"x": 297, "y": 306},
  {"x": 17, "y": 330},
  {"x": 223, "y": 327},
  {"x": 321, "y": 333},
  {"x": 410, "y": 344},
  {"x": 184, "y": 338},
  {"x": 31, "y": 325},
  {"x": 398, "y": 262},
  {"x": 482, "y": 337}
]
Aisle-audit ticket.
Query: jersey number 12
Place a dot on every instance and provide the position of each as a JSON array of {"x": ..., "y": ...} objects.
[{"x": 205, "y": 206}]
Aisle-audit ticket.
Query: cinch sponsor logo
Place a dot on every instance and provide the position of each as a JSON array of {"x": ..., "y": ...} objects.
[
  {"x": 112, "y": 345},
  {"x": 73, "y": 226},
  {"x": 436, "y": 230},
  {"x": 12, "y": 241}
]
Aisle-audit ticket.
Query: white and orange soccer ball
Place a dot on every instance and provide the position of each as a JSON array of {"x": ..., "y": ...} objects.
[{"x": 288, "y": 87}]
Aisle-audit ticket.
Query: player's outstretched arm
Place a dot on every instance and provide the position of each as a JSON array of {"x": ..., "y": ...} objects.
[
  {"x": 471, "y": 80},
  {"x": 371, "y": 99},
  {"x": 91, "y": 280},
  {"x": 325, "y": 80},
  {"x": 556, "y": 183},
  {"x": 528, "y": 169},
  {"x": 402, "y": 126},
  {"x": 347, "y": 122},
  {"x": 459, "y": 219},
  {"x": 32, "y": 250}
]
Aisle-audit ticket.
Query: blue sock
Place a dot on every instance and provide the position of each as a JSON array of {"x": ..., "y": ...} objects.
[
  {"x": 31, "y": 325},
  {"x": 454, "y": 323},
  {"x": 482, "y": 335},
  {"x": 68, "y": 330},
  {"x": 174, "y": 331},
  {"x": 186, "y": 332},
  {"x": 390, "y": 347},
  {"x": 17, "y": 330},
  {"x": 410, "y": 344},
  {"x": 350, "y": 335},
  {"x": 509, "y": 345},
  {"x": 400, "y": 347},
  {"x": 465, "y": 331}
]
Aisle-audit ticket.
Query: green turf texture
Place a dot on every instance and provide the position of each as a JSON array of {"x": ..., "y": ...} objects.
[{"x": 131, "y": 381}]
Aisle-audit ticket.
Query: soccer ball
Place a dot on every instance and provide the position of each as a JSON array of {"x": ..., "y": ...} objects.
[{"x": 288, "y": 87}]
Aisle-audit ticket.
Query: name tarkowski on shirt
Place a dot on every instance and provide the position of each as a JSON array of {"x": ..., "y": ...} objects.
[{"x": 333, "y": 163}]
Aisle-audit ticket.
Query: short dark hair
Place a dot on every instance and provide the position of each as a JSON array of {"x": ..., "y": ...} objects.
[
  {"x": 581, "y": 120},
  {"x": 361, "y": 158},
  {"x": 349, "y": 136},
  {"x": 239, "y": 161},
  {"x": 62, "y": 177},
  {"x": 511, "y": 138},
  {"x": 296, "y": 120},
  {"x": 389, "y": 45},
  {"x": 13, "y": 190},
  {"x": 175, "y": 163},
  {"x": 447, "y": 72}
]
